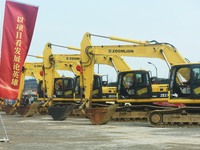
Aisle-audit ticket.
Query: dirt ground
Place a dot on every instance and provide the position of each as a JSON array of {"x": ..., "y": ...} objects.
[{"x": 41, "y": 132}]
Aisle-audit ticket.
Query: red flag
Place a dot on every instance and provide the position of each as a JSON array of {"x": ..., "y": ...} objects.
[{"x": 18, "y": 27}]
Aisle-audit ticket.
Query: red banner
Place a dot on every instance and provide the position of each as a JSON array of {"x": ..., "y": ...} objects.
[{"x": 18, "y": 27}]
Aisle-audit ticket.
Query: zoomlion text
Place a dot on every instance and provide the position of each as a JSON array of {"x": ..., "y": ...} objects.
[{"x": 120, "y": 51}]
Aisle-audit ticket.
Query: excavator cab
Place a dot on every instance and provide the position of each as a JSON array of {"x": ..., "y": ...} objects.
[
  {"x": 134, "y": 84},
  {"x": 64, "y": 87},
  {"x": 185, "y": 81},
  {"x": 97, "y": 87}
]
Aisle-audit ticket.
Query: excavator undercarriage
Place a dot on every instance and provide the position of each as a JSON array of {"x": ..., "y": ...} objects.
[
  {"x": 134, "y": 112},
  {"x": 178, "y": 117},
  {"x": 127, "y": 113}
]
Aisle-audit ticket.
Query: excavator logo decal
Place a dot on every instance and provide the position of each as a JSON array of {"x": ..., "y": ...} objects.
[
  {"x": 72, "y": 58},
  {"x": 37, "y": 66},
  {"x": 120, "y": 51}
]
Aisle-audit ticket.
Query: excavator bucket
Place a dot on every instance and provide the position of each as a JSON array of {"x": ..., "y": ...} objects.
[
  {"x": 76, "y": 112},
  {"x": 100, "y": 115},
  {"x": 10, "y": 109},
  {"x": 42, "y": 110},
  {"x": 27, "y": 111},
  {"x": 60, "y": 112}
]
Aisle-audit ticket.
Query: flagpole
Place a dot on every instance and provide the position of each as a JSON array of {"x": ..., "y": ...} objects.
[
  {"x": 5, "y": 139},
  {"x": 1, "y": 21}
]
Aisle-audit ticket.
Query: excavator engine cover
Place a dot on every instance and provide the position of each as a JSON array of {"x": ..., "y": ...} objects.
[
  {"x": 27, "y": 111},
  {"x": 60, "y": 112},
  {"x": 100, "y": 115}
]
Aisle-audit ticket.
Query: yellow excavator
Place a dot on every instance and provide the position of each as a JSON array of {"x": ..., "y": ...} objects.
[
  {"x": 183, "y": 88},
  {"x": 58, "y": 104},
  {"x": 141, "y": 91},
  {"x": 50, "y": 86},
  {"x": 38, "y": 71},
  {"x": 57, "y": 97},
  {"x": 32, "y": 70},
  {"x": 62, "y": 96}
]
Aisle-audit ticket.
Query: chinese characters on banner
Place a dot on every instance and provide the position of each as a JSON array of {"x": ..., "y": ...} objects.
[{"x": 18, "y": 27}]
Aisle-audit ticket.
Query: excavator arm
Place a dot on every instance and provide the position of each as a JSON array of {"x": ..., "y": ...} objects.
[{"x": 164, "y": 51}]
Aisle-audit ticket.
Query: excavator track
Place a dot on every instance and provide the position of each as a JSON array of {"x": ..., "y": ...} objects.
[
  {"x": 134, "y": 112},
  {"x": 175, "y": 117},
  {"x": 126, "y": 113}
]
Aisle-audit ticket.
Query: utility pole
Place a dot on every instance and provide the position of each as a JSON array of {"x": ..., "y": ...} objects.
[{"x": 155, "y": 68}]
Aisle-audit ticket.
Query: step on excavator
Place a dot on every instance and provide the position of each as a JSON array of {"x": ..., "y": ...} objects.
[{"x": 140, "y": 93}]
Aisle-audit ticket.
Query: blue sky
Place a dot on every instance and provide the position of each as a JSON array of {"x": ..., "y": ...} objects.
[{"x": 64, "y": 22}]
